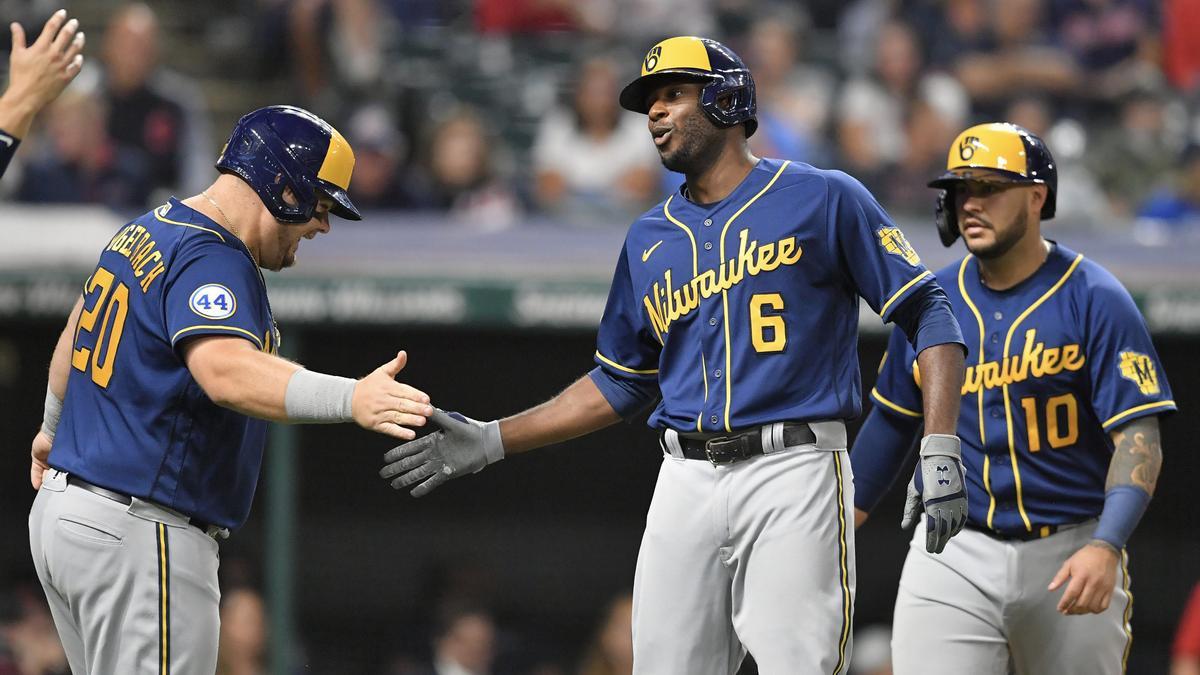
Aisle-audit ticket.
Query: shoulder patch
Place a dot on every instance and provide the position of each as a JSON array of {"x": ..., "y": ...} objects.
[
  {"x": 894, "y": 242},
  {"x": 213, "y": 301},
  {"x": 1139, "y": 368}
]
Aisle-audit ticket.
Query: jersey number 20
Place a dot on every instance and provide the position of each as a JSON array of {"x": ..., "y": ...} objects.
[{"x": 115, "y": 303}]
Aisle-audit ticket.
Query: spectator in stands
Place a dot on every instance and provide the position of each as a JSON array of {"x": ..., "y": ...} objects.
[
  {"x": 1185, "y": 654},
  {"x": 1181, "y": 49},
  {"x": 379, "y": 149},
  {"x": 28, "y": 642},
  {"x": 155, "y": 111},
  {"x": 1114, "y": 41},
  {"x": 591, "y": 161},
  {"x": 243, "y": 641},
  {"x": 793, "y": 99},
  {"x": 464, "y": 641},
  {"x": 611, "y": 650},
  {"x": 881, "y": 116},
  {"x": 77, "y": 162},
  {"x": 1176, "y": 208},
  {"x": 460, "y": 174},
  {"x": 1021, "y": 58},
  {"x": 1132, "y": 159},
  {"x": 962, "y": 28}
]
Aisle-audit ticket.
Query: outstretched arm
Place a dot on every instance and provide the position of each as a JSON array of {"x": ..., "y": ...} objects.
[
  {"x": 1132, "y": 476},
  {"x": 38, "y": 73},
  {"x": 462, "y": 445}
]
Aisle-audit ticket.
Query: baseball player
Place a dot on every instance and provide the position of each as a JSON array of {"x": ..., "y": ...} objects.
[
  {"x": 169, "y": 368},
  {"x": 1059, "y": 426},
  {"x": 37, "y": 75},
  {"x": 733, "y": 312}
]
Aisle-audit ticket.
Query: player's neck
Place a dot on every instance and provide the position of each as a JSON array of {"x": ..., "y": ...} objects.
[
  {"x": 722, "y": 177},
  {"x": 232, "y": 205},
  {"x": 1018, "y": 264}
]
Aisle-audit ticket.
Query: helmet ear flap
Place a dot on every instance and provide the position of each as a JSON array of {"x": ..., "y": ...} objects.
[{"x": 945, "y": 217}]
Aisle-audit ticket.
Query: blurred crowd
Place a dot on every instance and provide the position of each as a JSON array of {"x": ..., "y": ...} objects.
[{"x": 501, "y": 111}]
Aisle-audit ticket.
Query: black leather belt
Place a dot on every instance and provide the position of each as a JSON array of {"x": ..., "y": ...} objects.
[
  {"x": 1038, "y": 532},
  {"x": 120, "y": 498},
  {"x": 726, "y": 449}
]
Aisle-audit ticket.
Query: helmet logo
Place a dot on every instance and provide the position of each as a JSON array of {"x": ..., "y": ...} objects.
[
  {"x": 966, "y": 149},
  {"x": 652, "y": 58}
]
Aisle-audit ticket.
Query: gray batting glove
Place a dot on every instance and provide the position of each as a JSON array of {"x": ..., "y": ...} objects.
[
  {"x": 460, "y": 446},
  {"x": 944, "y": 497}
]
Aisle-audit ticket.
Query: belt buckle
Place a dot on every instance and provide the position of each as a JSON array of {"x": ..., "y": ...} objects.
[{"x": 714, "y": 457}]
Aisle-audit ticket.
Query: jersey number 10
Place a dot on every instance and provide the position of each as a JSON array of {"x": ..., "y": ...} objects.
[
  {"x": 115, "y": 303},
  {"x": 1059, "y": 409}
]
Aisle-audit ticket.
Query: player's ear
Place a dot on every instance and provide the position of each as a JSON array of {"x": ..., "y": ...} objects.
[
  {"x": 1037, "y": 197},
  {"x": 289, "y": 196}
]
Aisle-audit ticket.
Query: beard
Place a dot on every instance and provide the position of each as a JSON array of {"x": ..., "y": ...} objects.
[
  {"x": 698, "y": 146},
  {"x": 1004, "y": 242}
]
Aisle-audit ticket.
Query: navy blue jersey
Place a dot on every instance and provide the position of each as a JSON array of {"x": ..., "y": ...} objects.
[
  {"x": 745, "y": 312},
  {"x": 134, "y": 420},
  {"x": 1053, "y": 365}
]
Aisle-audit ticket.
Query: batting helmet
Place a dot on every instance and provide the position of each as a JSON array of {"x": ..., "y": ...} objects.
[
  {"x": 698, "y": 60},
  {"x": 996, "y": 150},
  {"x": 282, "y": 146}
]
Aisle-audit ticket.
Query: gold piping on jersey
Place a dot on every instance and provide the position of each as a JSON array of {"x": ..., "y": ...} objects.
[
  {"x": 164, "y": 601},
  {"x": 1012, "y": 448},
  {"x": 235, "y": 329},
  {"x": 725, "y": 293},
  {"x": 903, "y": 288},
  {"x": 987, "y": 484},
  {"x": 847, "y": 606},
  {"x": 691, "y": 237},
  {"x": 620, "y": 367},
  {"x": 1125, "y": 626},
  {"x": 1135, "y": 409},
  {"x": 704, "y": 374},
  {"x": 879, "y": 398},
  {"x": 167, "y": 207}
]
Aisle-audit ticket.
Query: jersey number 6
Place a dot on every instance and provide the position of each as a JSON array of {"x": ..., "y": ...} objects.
[
  {"x": 115, "y": 302},
  {"x": 761, "y": 323}
]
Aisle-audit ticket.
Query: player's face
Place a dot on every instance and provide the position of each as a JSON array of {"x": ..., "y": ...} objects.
[
  {"x": 288, "y": 236},
  {"x": 992, "y": 215},
  {"x": 687, "y": 140}
]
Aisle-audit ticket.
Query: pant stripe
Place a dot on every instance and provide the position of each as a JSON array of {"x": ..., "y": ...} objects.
[
  {"x": 1125, "y": 625},
  {"x": 164, "y": 605},
  {"x": 845, "y": 574}
]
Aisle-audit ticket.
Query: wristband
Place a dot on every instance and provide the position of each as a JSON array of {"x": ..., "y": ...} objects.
[
  {"x": 53, "y": 411},
  {"x": 317, "y": 398},
  {"x": 1123, "y": 509}
]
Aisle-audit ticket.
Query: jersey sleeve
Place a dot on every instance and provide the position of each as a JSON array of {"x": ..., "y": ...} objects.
[
  {"x": 626, "y": 350},
  {"x": 1126, "y": 375},
  {"x": 8, "y": 148},
  {"x": 214, "y": 289},
  {"x": 876, "y": 257},
  {"x": 896, "y": 391}
]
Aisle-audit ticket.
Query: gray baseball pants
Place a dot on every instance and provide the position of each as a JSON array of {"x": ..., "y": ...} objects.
[
  {"x": 757, "y": 554},
  {"x": 133, "y": 589},
  {"x": 981, "y": 607}
]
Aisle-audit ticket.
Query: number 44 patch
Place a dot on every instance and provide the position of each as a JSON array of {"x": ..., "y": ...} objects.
[{"x": 213, "y": 301}]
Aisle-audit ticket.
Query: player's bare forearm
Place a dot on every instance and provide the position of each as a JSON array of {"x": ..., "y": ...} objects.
[
  {"x": 236, "y": 375},
  {"x": 60, "y": 361},
  {"x": 579, "y": 410},
  {"x": 942, "y": 371},
  {"x": 1137, "y": 458}
]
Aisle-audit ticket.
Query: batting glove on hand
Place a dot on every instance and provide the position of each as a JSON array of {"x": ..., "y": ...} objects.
[
  {"x": 460, "y": 446},
  {"x": 944, "y": 497}
]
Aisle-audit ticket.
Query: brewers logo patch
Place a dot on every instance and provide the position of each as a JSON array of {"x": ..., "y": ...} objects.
[
  {"x": 893, "y": 240},
  {"x": 652, "y": 58},
  {"x": 213, "y": 301},
  {"x": 1139, "y": 368}
]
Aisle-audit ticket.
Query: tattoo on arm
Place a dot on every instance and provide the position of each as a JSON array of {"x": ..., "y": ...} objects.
[{"x": 1137, "y": 459}]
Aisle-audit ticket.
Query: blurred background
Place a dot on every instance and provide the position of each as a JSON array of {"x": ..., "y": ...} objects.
[{"x": 497, "y": 176}]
